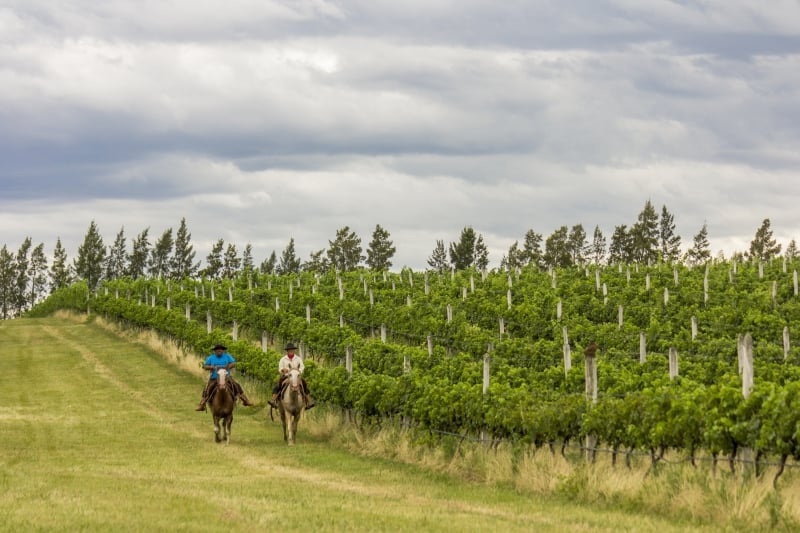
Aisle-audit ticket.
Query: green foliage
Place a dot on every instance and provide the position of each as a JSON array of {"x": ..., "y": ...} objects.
[{"x": 530, "y": 398}]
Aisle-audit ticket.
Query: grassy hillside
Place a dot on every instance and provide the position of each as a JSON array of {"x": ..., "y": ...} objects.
[{"x": 98, "y": 433}]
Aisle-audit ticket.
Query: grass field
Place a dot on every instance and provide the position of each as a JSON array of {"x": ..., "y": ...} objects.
[{"x": 98, "y": 433}]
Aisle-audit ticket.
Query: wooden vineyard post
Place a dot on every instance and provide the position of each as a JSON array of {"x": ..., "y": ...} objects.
[
  {"x": 786, "y": 342},
  {"x": 590, "y": 366},
  {"x": 642, "y": 347},
  {"x": 487, "y": 359},
  {"x": 208, "y": 322},
  {"x": 747, "y": 387},
  {"x": 188, "y": 312},
  {"x": 567, "y": 352},
  {"x": 673, "y": 362}
]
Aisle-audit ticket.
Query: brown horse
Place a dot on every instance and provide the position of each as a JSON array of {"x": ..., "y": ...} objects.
[
  {"x": 291, "y": 406},
  {"x": 222, "y": 404}
]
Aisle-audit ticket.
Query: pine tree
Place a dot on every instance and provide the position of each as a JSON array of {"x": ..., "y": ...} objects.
[
  {"x": 763, "y": 246},
  {"x": 621, "y": 249},
  {"x": 116, "y": 266},
  {"x": 557, "y": 250},
  {"x": 137, "y": 261},
  {"x": 161, "y": 256},
  {"x": 289, "y": 262},
  {"x": 380, "y": 250},
  {"x": 344, "y": 252},
  {"x": 183, "y": 265},
  {"x": 60, "y": 271},
  {"x": 438, "y": 258},
  {"x": 644, "y": 235},
  {"x": 7, "y": 282},
  {"x": 598, "y": 247},
  {"x": 37, "y": 274},
  {"x": 267, "y": 266},
  {"x": 91, "y": 256},
  {"x": 231, "y": 262},
  {"x": 214, "y": 262},
  {"x": 481, "y": 254},
  {"x": 700, "y": 252},
  {"x": 513, "y": 260},
  {"x": 670, "y": 242},
  {"x": 247, "y": 259},
  {"x": 462, "y": 253},
  {"x": 532, "y": 249},
  {"x": 577, "y": 244},
  {"x": 21, "y": 263},
  {"x": 317, "y": 262},
  {"x": 791, "y": 250}
]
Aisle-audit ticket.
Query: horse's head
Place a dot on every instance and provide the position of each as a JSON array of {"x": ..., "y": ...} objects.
[
  {"x": 293, "y": 379},
  {"x": 222, "y": 377}
]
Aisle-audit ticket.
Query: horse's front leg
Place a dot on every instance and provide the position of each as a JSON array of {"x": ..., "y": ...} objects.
[
  {"x": 216, "y": 429},
  {"x": 228, "y": 424}
]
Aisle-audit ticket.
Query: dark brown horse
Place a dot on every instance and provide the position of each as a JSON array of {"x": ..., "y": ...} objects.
[
  {"x": 291, "y": 406},
  {"x": 222, "y": 404}
]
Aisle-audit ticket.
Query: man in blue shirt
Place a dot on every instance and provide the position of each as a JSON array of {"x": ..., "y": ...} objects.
[{"x": 220, "y": 359}]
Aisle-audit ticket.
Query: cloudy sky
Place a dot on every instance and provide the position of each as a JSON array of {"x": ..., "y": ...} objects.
[{"x": 264, "y": 120}]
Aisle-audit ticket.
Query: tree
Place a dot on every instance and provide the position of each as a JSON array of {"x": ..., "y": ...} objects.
[
  {"x": 513, "y": 260},
  {"x": 763, "y": 246},
  {"x": 644, "y": 235},
  {"x": 577, "y": 244},
  {"x": 557, "y": 250},
  {"x": 116, "y": 266},
  {"x": 7, "y": 282},
  {"x": 317, "y": 262},
  {"x": 380, "y": 250},
  {"x": 214, "y": 262},
  {"x": 247, "y": 259},
  {"x": 438, "y": 258},
  {"x": 670, "y": 242},
  {"x": 183, "y": 265},
  {"x": 597, "y": 251},
  {"x": 791, "y": 250},
  {"x": 481, "y": 254},
  {"x": 532, "y": 249},
  {"x": 289, "y": 262},
  {"x": 267, "y": 266},
  {"x": 60, "y": 272},
  {"x": 700, "y": 252},
  {"x": 231, "y": 262},
  {"x": 344, "y": 251},
  {"x": 462, "y": 253},
  {"x": 161, "y": 256},
  {"x": 137, "y": 262},
  {"x": 91, "y": 256},
  {"x": 21, "y": 276},
  {"x": 621, "y": 248},
  {"x": 37, "y": 274}
]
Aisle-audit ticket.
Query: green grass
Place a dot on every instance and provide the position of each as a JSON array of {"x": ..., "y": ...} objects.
[{"x": 98, "y": 433}]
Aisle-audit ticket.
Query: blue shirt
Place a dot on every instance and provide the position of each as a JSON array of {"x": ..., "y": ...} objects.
[{"x": 222, "y": 361}]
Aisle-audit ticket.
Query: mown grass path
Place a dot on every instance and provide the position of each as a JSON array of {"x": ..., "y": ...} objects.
[{"x": 99, "y": 434}]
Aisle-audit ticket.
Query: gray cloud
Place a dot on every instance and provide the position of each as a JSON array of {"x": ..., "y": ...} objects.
[{"x": 267, "y": 121}]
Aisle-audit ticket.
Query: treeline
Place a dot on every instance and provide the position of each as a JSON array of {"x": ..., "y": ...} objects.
[{"x": 26, "y": 277}]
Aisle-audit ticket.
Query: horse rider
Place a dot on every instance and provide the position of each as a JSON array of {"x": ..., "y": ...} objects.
[
  {"x": 220, "y": 359},
  {"x": 288, "y": 362}
]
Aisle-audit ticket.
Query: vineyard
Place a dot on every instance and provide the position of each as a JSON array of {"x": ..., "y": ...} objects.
[{"x": 689, "y": 360}]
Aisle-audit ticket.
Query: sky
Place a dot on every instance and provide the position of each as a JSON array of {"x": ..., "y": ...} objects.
[{"x": 261, "y": 121}]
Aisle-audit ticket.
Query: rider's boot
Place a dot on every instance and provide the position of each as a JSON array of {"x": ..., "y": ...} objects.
[
  {"x": 274, "y": 400},
  {"x": 309, "y": 401},
  {"x": 245, "y": 401},
  {"x": 202, "y": 405}
]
